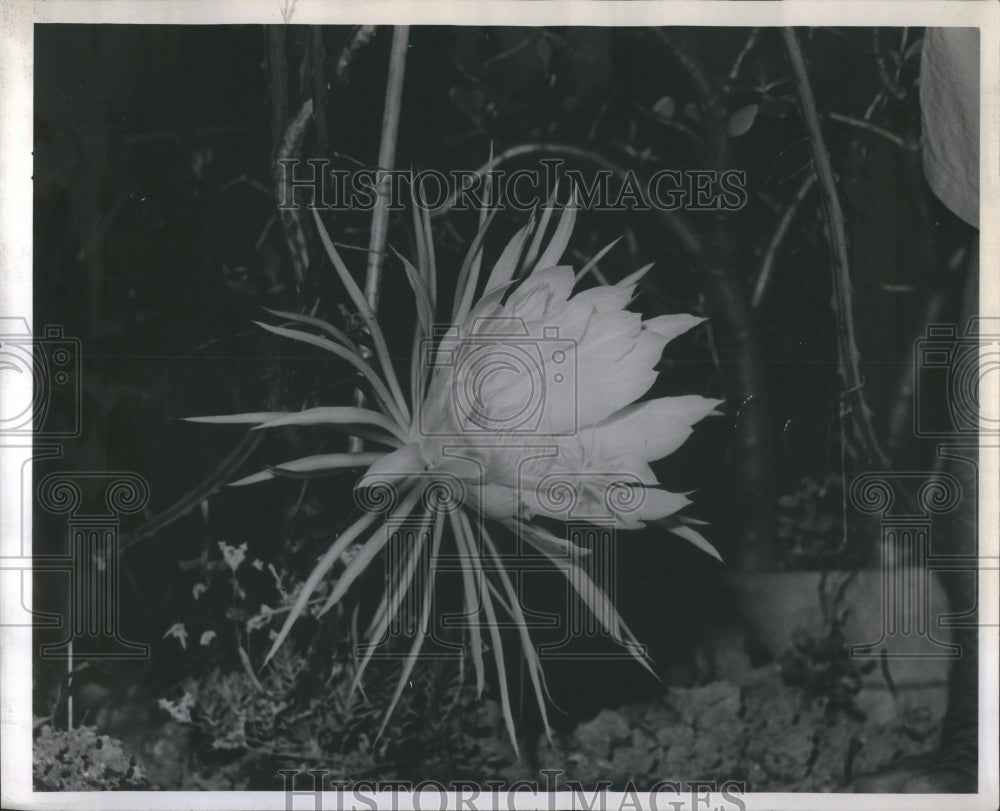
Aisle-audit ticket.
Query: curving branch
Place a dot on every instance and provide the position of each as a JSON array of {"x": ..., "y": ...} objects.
[
  {"x": 847, "y": 349},
  {"x": 686, "y": 238},
  {"x": 222, "y": 474},
  {"x": 874, "y": 129},
  {"x": 787, "y": 217}
]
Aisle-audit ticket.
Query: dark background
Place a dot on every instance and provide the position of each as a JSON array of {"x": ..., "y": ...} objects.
[{"x": 156, "y": 244}]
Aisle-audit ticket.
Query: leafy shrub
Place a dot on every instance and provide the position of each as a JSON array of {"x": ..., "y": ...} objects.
[
  {"x": 299, "y": 711},
  {"x": 811, "y": 531},
  {"x": 81, "y": 760}
]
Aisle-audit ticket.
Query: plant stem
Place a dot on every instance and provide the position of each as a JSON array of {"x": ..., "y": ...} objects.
[
  {"x": 386, "y": 162},
  {"x": 867, "y": 126},
  {"x": 849, "y": 359},
  {"x": 748, "y": 46},
  {"x": 319, "y": 88},
  {"x": 767, "y": 266},
  {"x": 71, "y": 687}
]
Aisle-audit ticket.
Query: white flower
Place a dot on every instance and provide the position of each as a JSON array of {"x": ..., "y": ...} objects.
[
  {"x": 529, "y": 404},
  {"x": 179, "y": 632},
  {"x": 575, "y": 389},
  {"x": 233, "y": 555},
  {"x": 179, "y": 710}
]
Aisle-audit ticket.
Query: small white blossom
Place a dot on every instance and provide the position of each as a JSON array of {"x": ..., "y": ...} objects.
[
  {"x": 179, "y": 632},
  {"x": 233, "y": 555},
  {"x": 179, "y": 710},
  {"x": 261, "y": 619}
]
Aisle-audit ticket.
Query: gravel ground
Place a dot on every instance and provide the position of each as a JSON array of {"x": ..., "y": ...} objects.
[{"x": 767, "y": 735}]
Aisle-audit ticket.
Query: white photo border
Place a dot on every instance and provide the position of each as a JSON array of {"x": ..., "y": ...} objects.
[{"x": 16, "y": 138}]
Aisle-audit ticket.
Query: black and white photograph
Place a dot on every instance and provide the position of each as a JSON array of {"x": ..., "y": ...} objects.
[{"x": 499, "y": 405}]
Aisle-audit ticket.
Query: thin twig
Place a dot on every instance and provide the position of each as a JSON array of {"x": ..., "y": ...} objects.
[
  {"x": 843, "y": 306},
  {"x": 767, "y": 265},
  {"x": 277, "y": 64},
  {"x": 362, "y": 36},
  {"x": 287, "y": 10},
  {"x": 874, "y": 129},
  {"x": 291, "y": 218},
  {"x": 744, "y": 51},
  {"x": 319, "y": 88},
  {"x": 902, "y": 54},
  {"x": 888, "y": 82},
  {"x": 524, "y": 42}
]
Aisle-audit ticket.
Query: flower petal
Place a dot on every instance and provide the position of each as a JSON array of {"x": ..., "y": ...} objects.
[
  {"x": 250, "y": 418},
  {"x": 604, "y": 298},
  {"x": 610, "y": 335},
  {"x": 692, "y": 536},
  {"x": 543, "y": 291},
  {"x": 503, "y": 269},
  {"x": 614, "y": 296},
  {"x": 609, "y": 386},
  {"x": 648, "y": 431},
  {"x": 670, "y": 326},
  {"x": 336, "y": 415},
  {"x": 568, "y": 320},
  {"x": 309, "y": 464},
  {"x": 400, "y": 464},
  {"x": 560, "y": 238},
  {"x": 655, "y": 504}
]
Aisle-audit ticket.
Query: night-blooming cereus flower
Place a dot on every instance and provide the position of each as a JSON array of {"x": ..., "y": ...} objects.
[{"x": 527, "y": 404}]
